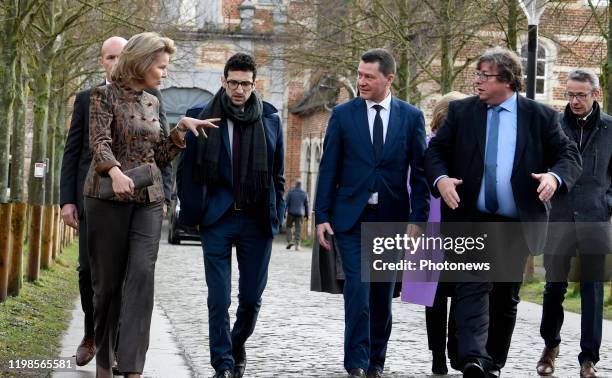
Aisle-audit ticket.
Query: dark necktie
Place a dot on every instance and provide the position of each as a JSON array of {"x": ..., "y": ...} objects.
[
  {"x": 236, "y": 161},
  {"x": 491, "y": 162},
  {"x": 377, "y": 138}
]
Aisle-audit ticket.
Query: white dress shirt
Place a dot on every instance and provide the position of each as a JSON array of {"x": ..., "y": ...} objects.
[{"x": 384, "y": 115}]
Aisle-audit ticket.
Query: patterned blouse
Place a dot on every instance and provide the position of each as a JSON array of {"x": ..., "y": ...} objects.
[{"x": 124, "y": 131}]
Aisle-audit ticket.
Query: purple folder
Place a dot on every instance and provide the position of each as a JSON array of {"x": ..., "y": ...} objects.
[{"x": 419, "y": 287}]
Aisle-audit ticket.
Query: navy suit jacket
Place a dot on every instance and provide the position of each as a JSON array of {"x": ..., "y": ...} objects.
[
  {"x": 204, "y": 206},
  {"x": 349, "y": 172}
]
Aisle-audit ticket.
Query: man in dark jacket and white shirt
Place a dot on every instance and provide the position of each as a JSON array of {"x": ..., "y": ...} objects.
[
  {"x": 297, "y": 211},
  {"x": 580, "y": 225}
]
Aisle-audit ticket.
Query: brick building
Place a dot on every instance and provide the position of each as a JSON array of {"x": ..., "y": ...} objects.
[{"x": 214, "y": 29}]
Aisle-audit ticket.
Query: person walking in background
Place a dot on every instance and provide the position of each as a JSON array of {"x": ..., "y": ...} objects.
[
  {"x": 240, "y": 167},
  {"x": 297, "y": 211},
  {"x": 580, "y": 225},
  {"x": 75, "y": 163},
  {"x": 496, "y": 162},
  {"x": 370, "y": 144},
  {"x": 124, "y": 134}
]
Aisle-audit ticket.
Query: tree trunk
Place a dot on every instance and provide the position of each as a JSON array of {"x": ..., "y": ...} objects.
[
  {"x": 48, "y": 216},
  {"x": 17, "y": 181},
  {"x": 5, "y": 247},
  {"x": 403, "y": 77},
  {"x": 8, "y": 61},
  {"x": 608, "y": 66},
  {"x": 60, "y": 132},
  {"x": 446, "y": 58},
  {"x": 18, "y": 136},
  {"x": 512, "y": 24},
  {"x": 36, "y": 186},
  {"x": 529, "y": 269},
  {"x": 17, "y": 235}
]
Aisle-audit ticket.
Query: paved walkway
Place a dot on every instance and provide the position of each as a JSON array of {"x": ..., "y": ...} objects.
[
  {"x": 164, "y": 358},
  {"x": 299, "y": 332}
]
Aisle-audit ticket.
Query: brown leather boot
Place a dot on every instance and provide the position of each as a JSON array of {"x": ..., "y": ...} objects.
[
  {"x": 546, "y": 365},
  {"x": 86, "y": 351},
  {"x": 587, "y": 370}
]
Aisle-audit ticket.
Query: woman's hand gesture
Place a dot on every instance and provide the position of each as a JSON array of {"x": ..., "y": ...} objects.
[{"x": 197, "y": 126}]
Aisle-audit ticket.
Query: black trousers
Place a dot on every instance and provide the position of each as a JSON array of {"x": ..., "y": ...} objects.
[
  {"x": 85, "y": 288},
  {"x": 591, "y": 303},
  {"x": 485, "y": 309},
  {"x": 436, "y": 323},
  {"x": 123, "y": 240}
]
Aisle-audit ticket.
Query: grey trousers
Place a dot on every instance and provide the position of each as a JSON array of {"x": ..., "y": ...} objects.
[
  {"x": 123, "y": 240},
  {"x": 294, "y": 228}
]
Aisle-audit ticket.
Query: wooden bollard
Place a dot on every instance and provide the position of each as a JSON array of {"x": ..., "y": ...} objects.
[
  {"x": 34, "y": 243},
  {"x": 5, "y": 248},
  {"x": 45, "y": 237},
  {"x": 15, "y": 281}
]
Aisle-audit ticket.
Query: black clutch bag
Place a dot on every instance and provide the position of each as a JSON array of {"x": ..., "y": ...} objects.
[{"x": 141, "y": 175}]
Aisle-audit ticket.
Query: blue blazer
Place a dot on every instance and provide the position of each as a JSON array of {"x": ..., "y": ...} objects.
[
  {"x": 203, "y": 206},
  {"x": 349, "y": 172}
]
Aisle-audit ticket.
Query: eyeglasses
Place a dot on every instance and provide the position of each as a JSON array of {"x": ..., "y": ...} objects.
[
  {"x": 483, "y": 76},
  {"x": 246, "y": 85},
  {"x": 578, "y": 96}
]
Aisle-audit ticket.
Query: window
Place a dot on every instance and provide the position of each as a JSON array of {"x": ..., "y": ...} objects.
[{"x": 540, "y": 68}]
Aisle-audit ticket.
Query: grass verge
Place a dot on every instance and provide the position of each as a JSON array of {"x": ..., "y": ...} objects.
[
  {"x": 32, "y": 324},
  {"x": 532, "y": 292}
]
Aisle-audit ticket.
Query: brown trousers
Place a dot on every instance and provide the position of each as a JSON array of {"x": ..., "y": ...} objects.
[
  {"x": 294, "y": 228},
  {"x": 123, "y": 240}
]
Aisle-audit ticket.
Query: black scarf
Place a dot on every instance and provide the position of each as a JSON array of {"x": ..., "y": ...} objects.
[{"x": 253, "y": 150}]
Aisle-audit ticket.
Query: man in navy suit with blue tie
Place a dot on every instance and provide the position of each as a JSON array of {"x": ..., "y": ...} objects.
[
  {"x": 370, "y": 145},
  {"x": 231, "y": 184}
]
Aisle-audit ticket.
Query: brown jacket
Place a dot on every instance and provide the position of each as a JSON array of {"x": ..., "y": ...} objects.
[{"x": 125, "y": 132}]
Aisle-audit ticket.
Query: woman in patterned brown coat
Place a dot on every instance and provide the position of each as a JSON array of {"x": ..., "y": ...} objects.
[{"x": 124, "y": 231}]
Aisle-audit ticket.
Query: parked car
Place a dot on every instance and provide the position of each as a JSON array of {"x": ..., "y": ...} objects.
[{"x": 178, "y": 232}]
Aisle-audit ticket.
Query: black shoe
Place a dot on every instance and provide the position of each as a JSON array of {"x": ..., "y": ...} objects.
[
  {"x": 438, "y": 364},
  {"x": 356, "y": 373},
  {"x": 223, "y": 374},
  {"x": 474, "y": 370},
  {"x": 289, "y": 245},
  {"x": 115, "y": 367},
  {"x": 240, "y": 361},
  {"x": 374, "y": 373}
]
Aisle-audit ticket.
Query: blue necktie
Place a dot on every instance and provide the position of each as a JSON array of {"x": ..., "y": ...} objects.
[
  {"x": 377, "y": 138},
  {"x": 491, "y": 162}
]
